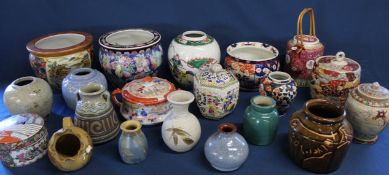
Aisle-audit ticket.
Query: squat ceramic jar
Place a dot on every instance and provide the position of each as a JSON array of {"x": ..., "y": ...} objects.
[
  {"x": 95, "y": 113},
  {"x": 191, "y": 52},
  {"x": 78, "y": 78},
  {"x": 181, "y": 130},
  {"x": 260, "y": 120},
  {"x": 132, "y": 142},
  {"x": 23, "y": 139},
  {"x": 70, "y": 148},
  {"x": 130, "y": 54},
  {"x": 226, "y": 150},
  {"x": 145, "y": 100},
  {"x": 319, "y": 136},
  {"x": 29, "y": 95},
  {"x": 281, "y": 87},
  {"x": 53, "y": 56},
  {"x": 250, "y": 62},
  {"x": 367, "y": 110},
  {"x": 216, "y": 92},
  {"x": 334, "y": 77}
]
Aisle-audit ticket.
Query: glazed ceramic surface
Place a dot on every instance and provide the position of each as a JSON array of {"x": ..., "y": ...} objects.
[
  {"x": 23, "y": 139},
  {"x": 191, "y": 52},
  {"x": 95, "y": 113},
  {"x": 181, "y": 130},
  {"x": 260, "y": 120},
  {"x": 78, "y": 78},
  {"x": 302, "y": 50},
  {"x": 29, "y": 95},
  {"x": 70, "y": 148},
  {"x": 250, "y": 62},
  {"x": 367, "y": 110},
  {"x": 319, "y": 136},
  {"x": 281, "y": 87},
  {"x": 216, "y": 92},
  {"x": 145, "y": 100},
  {"x": 334, "y": 77},
  {"x": 226, "y": 150},
  {"x": 53, "y": 56},
  {"x": 132, "y": 142},
  {"x": 130, "y": 54}
]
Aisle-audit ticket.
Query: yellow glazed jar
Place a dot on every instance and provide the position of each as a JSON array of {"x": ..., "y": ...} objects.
[{"x": 70, "y": 148}]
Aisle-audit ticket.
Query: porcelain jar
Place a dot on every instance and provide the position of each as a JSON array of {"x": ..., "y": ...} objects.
[
  {"x": 226, "y": 150},
  {"x": 334, "y": 77},
  {"x": 78, "y": 78},
  {"x": 302, "y": 50},
  {"x": 54, "y": 55},
  {"x": 145, "y": 100},
  {"x": 367, "y": 109},
  {"x": 280, "y": 86},
  {"x": 23, "y": 139},
  {"x": 181, "y": 130},
  {"x": 191, "y": 52},
  {"x": 29, "y": 95},
  {"x": 129, "y": 54},
  {"x": 132, "y": 142},
  {"x": 250, "y": 62},
  {"x": 70, "y": 148},
  {"x": 319, "y": 136},
  {"x": 260, "y": 121},
  {"x": 216, "y": 92}
]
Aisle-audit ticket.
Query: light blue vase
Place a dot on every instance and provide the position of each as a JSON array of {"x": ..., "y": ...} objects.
[
  {"x": 132, "y": 142},
  {"x": 78, "y": 78}
]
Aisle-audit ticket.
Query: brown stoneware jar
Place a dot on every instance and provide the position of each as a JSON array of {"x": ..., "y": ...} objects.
[{"x": 319, "y": 136}]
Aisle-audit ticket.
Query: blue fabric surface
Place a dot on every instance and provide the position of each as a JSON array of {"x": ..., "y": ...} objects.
[{"x": 358, "y": 27}]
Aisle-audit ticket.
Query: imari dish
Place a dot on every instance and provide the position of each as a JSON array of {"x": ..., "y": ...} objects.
[
  {"x": 53, "y": 56},
  {"x": 130, "y": 54},
  {"x": 23, "y": 139},
  {"x": 145, "y": 100},
  {"x": 250, "y": 62}
]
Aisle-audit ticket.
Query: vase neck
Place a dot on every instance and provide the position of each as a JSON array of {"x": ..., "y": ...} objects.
[
  {"x": 180, "y": 108},
  {"x": 263, "y": 104},
  {"x": 324, "y": 111}
]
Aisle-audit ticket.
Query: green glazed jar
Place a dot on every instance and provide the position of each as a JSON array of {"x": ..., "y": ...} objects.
[{"x": 260, "y": 120}]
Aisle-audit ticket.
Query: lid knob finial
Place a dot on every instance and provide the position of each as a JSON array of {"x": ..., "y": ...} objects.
[
  {"x": 375, "y": 85},
  {"x": 216, "y": 68},
  {"x": 340, "y": 56}
]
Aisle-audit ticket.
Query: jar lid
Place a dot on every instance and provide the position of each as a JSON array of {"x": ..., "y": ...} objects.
[
  {"x": 147, "y": 91},
  {"x": 373, "y": 90},
  {"x": 216, "y": 77},
  {"x": 338, "y": 63}
]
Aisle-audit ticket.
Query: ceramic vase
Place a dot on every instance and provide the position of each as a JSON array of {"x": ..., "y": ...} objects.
[
  {"x": 181, "y": 130},
  {"x": 226, "y": 150},
  {"x": 132, "y": 142},
  {"x": 29, "y": 95},
  {"x": 281, "y": 87},
  {"x": 250, "y": 62},
  {"x": 95, "y": 113},
  {"x": 367, "y": 110},
  {"x": 191, "y": 52},
  {"x": 260, "y": 120},
  {"x": 129, "y": 54},
  {"x": 78, "y": 78},
  {"x": 216, "y": 92},
  {"x": 70, "y": 148},
  {"x": 54, "y": 55},
  {"x": 319, "y": 136}
]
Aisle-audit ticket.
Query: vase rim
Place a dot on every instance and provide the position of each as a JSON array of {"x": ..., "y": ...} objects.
[
  {"x": 28, "y": 80},
  {"x": 227, "y": 128},
  {"x": 180, "y": 97},
  {"x": 282, "y": 76},
  {"x": 92, "y": 89},
  {"x": 200, "y": 35},
  {"x": 130, "y": 126},
  {"x": 263, "y": 102},
  {"x": 324, "y": 111},
  {"x": 82, "y": 73}
]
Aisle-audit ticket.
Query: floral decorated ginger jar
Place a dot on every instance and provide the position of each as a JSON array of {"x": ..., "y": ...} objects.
[
  {"x": 216, "y": 92},
  {"x": 130, "y": 54},
  {"x": 191, "y": 52},
  {"x": 367, "y": 109}
]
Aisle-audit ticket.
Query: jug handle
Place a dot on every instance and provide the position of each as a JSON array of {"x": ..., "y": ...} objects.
[
  {"x": 106, "y": 96},
  {"x": 67, "y": 122},
  {"x": 114, "y": 99},
  {"x": 312, "y": 25}
]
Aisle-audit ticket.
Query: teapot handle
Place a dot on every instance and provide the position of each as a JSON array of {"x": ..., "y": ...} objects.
[
  {"x": 312, "y": 26},
  {"x": 67, "y": 122},
  {"x": 113, "y": 96}
]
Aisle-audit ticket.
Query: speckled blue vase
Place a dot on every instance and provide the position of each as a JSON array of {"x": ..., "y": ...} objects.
[
  {"x": 226, "y": 150},
  {"x": 132, "y": 142},
  {"x": 78, "y": 78}
]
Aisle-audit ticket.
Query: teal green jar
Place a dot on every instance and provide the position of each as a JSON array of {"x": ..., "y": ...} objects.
[{"x": 260, "y": 120}]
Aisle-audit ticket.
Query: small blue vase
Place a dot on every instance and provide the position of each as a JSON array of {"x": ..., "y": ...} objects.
[
  {"x": 133, "y": 146},
  {"x": 78, "y": 78}
]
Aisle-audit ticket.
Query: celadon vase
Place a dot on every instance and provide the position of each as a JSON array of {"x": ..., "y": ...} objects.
[{"x": 132, "y": 142}]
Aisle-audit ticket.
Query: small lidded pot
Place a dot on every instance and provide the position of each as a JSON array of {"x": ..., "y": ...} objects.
[
  {"x": 334, "y": 77},
  {"x": 145, "y": 100},
  {"x": 216, "y": 92},
  {"x": 367, "y": 110}
]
